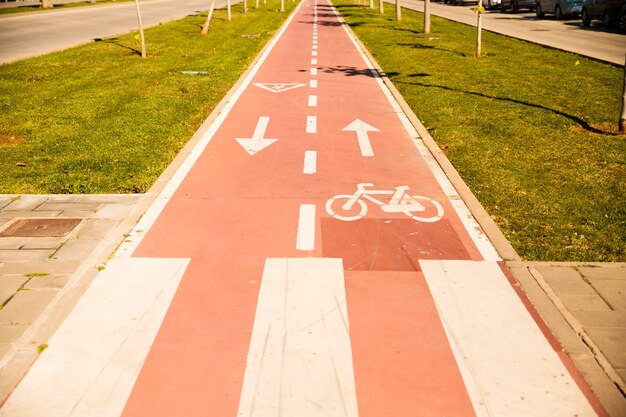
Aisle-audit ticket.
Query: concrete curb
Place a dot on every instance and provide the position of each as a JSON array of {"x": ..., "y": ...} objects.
[{"x": 597, "y": 372}]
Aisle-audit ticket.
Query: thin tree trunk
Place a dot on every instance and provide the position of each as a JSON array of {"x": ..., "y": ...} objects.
[
  {"x": 143, "y": 39},
  {"x": 228, "y": 7},
  {"x": 205, "y": 28},
  {"x": 426, "y": 17},
  {"x": 479, "y": 35},
  {"x": 282, "y": 5},
  {"x": 371, "y": 4},
  {"x": 622, "y": 118},
  {"x": 245, "y": 6},
  {"x": 381, "y": 7},
  {"x": 398, "y": 11}
]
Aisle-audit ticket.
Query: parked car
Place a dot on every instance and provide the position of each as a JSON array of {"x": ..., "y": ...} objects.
[
  {"x": 515, "y": 5},
  {"x": 560, "y": 8},
  {"x": 491, "y": 4},
  {"x": 609, "y": 11},
  {"x": 460, "y": 2}
]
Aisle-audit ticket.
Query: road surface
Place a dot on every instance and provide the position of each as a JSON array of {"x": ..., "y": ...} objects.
[
  {"x": 568, "y": 35},
  {"x": 32, "y": 34},
  {"x": 309, "y": 258}
]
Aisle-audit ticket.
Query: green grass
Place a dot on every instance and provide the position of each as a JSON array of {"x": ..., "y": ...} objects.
[
  {"x": 99, "y": 119},
  {"x": 26, "y": 9},
  {"x": 532, "y": 131}
]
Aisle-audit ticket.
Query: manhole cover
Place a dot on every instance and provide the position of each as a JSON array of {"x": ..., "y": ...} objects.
[{"x": 40, "y": 228}]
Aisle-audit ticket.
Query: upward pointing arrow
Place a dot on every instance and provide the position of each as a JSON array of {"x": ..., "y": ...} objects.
[
  {"x": 257, "y": 142},
  {"x": 361, "y": 128}
]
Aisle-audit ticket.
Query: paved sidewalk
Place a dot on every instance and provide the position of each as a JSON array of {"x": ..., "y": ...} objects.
[
  {"x": 46, "y": 248},
  {"x": 584, "y": 306}
]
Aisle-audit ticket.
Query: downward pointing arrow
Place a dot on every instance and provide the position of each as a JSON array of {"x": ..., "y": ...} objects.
[
  {"x": 257, "y": 142},
  {"x": 361, "y": 128}
]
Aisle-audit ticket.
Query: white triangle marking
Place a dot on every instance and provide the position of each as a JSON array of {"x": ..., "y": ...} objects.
[{"x": 278, "y": 87}]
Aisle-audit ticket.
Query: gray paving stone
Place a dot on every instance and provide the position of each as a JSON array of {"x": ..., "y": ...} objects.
[
  {"x": 82, "y": 214},
  {"x": 612, "y": 290},
  {"x": 601, "y": 318},
  {"x": 11, "y": 243},
  {"x": 75, "y": 250},
  {"x": 25, "y": 255},
  {"x": 9, "y": 285},
  {"x": 6, "y": 214},
  {"x": 48, "y": 281},
  {"x": 112, "y": 211},
  {"x": 52, "y": 206},
  {"x": 5, "y": 201},
  {"x": 42, "y": 242},
  {"x": 565, "y": 280},
  {"x": 26, "y": 203},
  {"x": 575, "y": 302},
  {"x": 26, "y": 306},
  {"x": 109, "y": 198},
  {"x": 95, "y": 228},
  {"x": 611, "y": 343},
  {"x": 50, "y": 267},
  {"x": 603, "y": 273},
  {"x": 10, "y": 333},
  {"x": 63, "y": 198}
]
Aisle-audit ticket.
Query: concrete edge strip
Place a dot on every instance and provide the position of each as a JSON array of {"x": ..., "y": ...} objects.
[
  {"x": 167, "y": 184},
  {"x": 474, "y": 217},
  {"x": 579, "y": 329}
]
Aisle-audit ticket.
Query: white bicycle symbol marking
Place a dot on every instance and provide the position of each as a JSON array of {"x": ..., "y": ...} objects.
[{"x": 400, "y": 202}]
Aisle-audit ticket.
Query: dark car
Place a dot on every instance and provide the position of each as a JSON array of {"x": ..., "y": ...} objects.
[
  {"x": 560, "y": 8},
  {"x": 515, "y": 5},
  {"x": 608, "y": 11}
]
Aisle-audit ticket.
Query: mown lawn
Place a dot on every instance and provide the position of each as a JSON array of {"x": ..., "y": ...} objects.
[
  {"x": 99, "y": 119},
  {"x": 532, "y": 131}
]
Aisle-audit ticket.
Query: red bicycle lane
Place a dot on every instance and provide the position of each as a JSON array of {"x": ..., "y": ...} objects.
[{"x": 234, "y": 210}]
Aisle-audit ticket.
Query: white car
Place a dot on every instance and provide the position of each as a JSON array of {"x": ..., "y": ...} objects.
[{"x": 490, "y": 4}]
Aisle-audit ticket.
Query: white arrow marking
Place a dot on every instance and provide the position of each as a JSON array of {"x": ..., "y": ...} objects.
[
  {"x": 361, "y": 128},
  {"x": 257, "y": 142},
  {"x": 278, "y": 87}
]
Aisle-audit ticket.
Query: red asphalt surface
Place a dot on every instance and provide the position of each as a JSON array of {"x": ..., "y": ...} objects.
[{"x": 234, "y": 210}]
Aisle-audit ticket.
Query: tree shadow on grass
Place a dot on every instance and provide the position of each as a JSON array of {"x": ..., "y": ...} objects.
[
  {"x": 354, "y": 71},
  {"x": 420, "y": 46},
  {"x": 116, "y": 42},
  {"x": 586, "y": 126}
]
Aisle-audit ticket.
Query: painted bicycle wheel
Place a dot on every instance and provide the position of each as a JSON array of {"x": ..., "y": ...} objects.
[{"x": 336, "y": 207}]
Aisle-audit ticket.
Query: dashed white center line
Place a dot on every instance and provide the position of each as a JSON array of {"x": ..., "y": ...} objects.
[
  {"x": 314, "y": 61},
  {"x": 313, "y": 71},
  {"x": 314, "y": 53},
  {"x": 314, "y": 46},
  {"x": 314, "y": 37},
  {"x": 306, "y": 227},
  {"x": 314, "y": 42},
  {"x": 311, "y": 124},
  {"x": 310, "y": 162},
  {"x": 312, "y": 101},
  {"x": 313, "y": 84}
]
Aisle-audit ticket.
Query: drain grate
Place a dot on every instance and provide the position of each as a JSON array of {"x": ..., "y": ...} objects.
[{"x": 40, "y": 228}]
